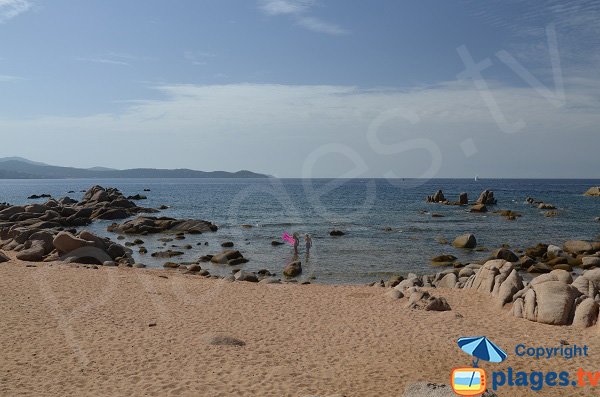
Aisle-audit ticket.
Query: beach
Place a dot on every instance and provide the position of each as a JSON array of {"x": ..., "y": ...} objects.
[{"x": 74, "y": 330}]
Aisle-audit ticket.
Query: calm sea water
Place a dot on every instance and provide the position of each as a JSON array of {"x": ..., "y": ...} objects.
[{"x": 363, "y": 209}]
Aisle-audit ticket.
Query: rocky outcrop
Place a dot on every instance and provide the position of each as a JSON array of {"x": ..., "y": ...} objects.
[
  {"x": 593, "y": 191},
  {"x": 463, "y": 199},
  {"x": 487, "y": 198},
  {"x": 437, "y": 197},
  {"x": 41, "y": 231},
  {"x": 150, "y": 225}
]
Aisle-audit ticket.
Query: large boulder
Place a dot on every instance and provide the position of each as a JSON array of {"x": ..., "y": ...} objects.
[
  {"x": 35, "y": 253},
  {"x": 465, "y": 241},
  {"x": 554, "y": 302},
  {"x": 448, "y": 281},
  {"x": 65, "y": 242},
  {"x": 586, "y": 313},
  {"x": 509, "y": 287},
  {"x": 293, "y": 269},
  {"x": 589, "y": 262},
  {"x": 226, "y": 256},
  {"x": 491, "y": 276},
  {"x": 578, "y": 246},
  {"x": 463, "y": 199}
]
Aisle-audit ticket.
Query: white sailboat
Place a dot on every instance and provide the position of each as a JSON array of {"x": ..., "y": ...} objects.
[{"x": 476, "y": 178}]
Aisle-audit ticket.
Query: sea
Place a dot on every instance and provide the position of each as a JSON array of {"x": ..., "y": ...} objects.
[{"x": 387, "y": 224}]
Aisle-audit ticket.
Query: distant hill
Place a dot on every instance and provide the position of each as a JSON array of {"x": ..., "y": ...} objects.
[{"x": 19, "y": 168}]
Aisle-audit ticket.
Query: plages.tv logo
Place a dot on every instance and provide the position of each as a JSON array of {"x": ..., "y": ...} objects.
[{"x": 472, "y": 381}]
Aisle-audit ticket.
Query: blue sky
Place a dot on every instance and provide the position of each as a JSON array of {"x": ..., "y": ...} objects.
[{"x": 304, "y": 87}]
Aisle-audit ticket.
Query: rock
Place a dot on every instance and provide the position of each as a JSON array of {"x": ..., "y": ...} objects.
[
  {"x": 143, "y": 250},
  {"x": 463, "y": 199},
  {"x": 538, "y": 251},
  {"x": 505, "y": 254},
  {"x": 552, "y": 251},
  {"x": 65, "y": 242},
  {"x": 246, "y": 276},
  {"x": 137, "y": 197},
  {"x": 589, "y": 262},
  {"x": 35, "y": 253},
  {"x": 466, "y": 272},
  {"x": 227, "y": 244},
  {"x": 437, "y": 197},
  {"x": 170, "y": 265},
  {"x": 166, "y": 254},
  {"x": 586, "y": 313},
  {"x": 479, "y": 208},
  {"x": 437, "y": 304},
  {"x": 194, "y": 267},
  {"x": 442, "y": 260},
  {"x": 3, "y": 257},
  {"x": 555, "y": 302},
  {"x": 509, "y": 287},
  {"x": 393, "y": 281},
  {"x": 270, "y": 280},
  {"x": 151, "y": 225},
  {"x": 237, "y": 261},
  {"x": 448, "y": 281},
  {"x": 436, "y": 215},
  {"x": 222, "y": 340},
  {"x": 593, "y": 191},
  {"x": 465, "y": 241},
  {"x": 487, "y": 198},
  {"x": 109, "y": 264},
  {"x": 551, "y": 214},
  {"x": 139, "y": 265},
  {"x": 578, "y": 247},
  {"x": 226, "y": 256},
  {"x": 293, "y": 269},
  {"x": 394, "y": 294},
  {"x": 546, "y": 206},
  {"x": 336, "y": 233},
  {"x": 539, "y": 268},
  {"x": 276, "y": 243},
  {"x": 490, "y": 277}
]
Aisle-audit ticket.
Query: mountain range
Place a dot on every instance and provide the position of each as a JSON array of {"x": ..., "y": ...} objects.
[{"x": 20, "y": 168}]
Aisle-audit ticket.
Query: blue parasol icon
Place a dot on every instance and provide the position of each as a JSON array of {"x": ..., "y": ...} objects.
[{"x": 482, "y": 348}]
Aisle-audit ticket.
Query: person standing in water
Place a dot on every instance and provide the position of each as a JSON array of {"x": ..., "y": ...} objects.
[
  {"x": 296, "y": 243},
  {"x": 308, "y": 242}
]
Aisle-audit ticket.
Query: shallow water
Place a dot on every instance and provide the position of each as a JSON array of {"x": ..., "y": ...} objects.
[{"x": 363, "y": 209}]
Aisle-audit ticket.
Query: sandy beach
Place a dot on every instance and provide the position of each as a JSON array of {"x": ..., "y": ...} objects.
[{"x": 72, "y": 330}]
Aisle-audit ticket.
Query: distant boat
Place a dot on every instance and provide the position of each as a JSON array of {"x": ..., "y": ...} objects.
[{"x": 476, "y": 178}]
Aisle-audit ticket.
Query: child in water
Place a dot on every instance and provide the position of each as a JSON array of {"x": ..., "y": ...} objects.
[
  {"x": 308, "y": 242},
  {"x": 296, "y": 243}
]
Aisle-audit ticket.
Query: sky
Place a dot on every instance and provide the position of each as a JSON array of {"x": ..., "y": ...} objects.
[{"x": 305, "y": 88}]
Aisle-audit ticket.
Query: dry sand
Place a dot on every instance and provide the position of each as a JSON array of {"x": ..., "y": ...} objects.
[{"x": 68, "y": 331}]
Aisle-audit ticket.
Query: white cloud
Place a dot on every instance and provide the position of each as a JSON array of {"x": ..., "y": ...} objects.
[
  {"x": 298, "y": 9},
  {"x": 12, "y": 8},
  {"x": 279, "y": 7},
  {"x": 9, "y": 79},
  {"x": 317, "y": 25},
  {"x": 273, "y": 128}
]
